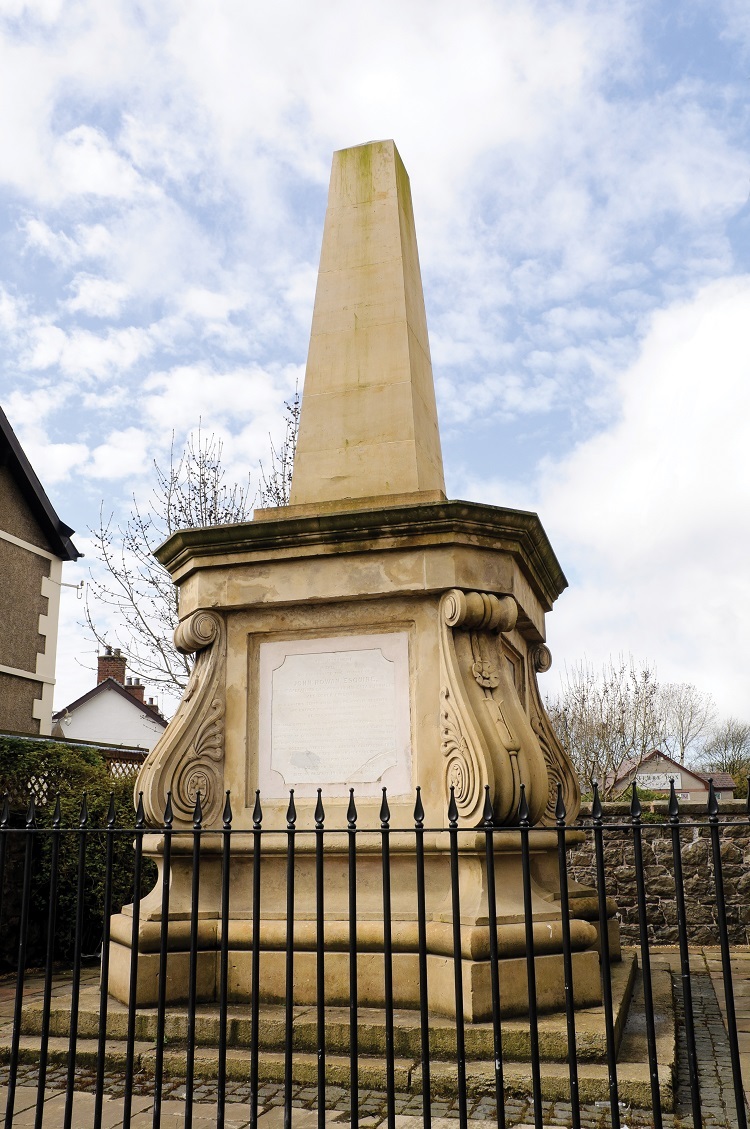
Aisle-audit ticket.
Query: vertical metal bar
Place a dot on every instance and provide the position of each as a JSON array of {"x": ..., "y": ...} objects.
[
  {"x": 726, "y": 966},
  {"x": 424, "y": 1014},
  {"x": 221, "y": 1080},
  {"x": 351, "y": 819},
  {"x": 23, "y": 929},
  {"x": 255, "y": 970},
  {"x": 193, "y": 967},
  {"x": 609, "y": 1026},
  {"x": 687, "y": 993},
  {"x": 49, "y": 963},
  {"x": 4, "y": 818},
  {"x": 127, "y": 1104},
  {"x": 488, "y": 819},
  {"x": 536, "y": 1074},
  {"x": 390, "y": 1065},
  {"x": 320, "y": 959},
  {"x": 291, "y": 819},
  {"x": 76, "y": 985},
  {"x": 648, "y": 999},
  {"x": 104, "y": 973},
  {"x": 458, "y": 979},
  {"x": 570, "y": 1014},
  {"x": 161, "y": 1000}
]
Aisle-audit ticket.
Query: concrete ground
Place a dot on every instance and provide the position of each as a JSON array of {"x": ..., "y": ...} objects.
[{"x": 717, "y": 1094}]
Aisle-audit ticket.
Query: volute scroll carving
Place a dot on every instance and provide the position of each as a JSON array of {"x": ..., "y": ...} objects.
[
  {"x": 559, "y": 766},
  {"x": 488, "y": 736},
  {"x": 189, "y": 756}
]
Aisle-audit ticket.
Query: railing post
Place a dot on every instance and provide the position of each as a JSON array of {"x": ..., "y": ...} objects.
[
  {"x": 726, "y": 963},
  {"x": 49, "y": 964},
  {"x": 606, "y": 969},
  {"x": 291, "y": 819},
  {"x": 193, "y": 967},
  {"x": 390, "y": 1066},
  {"x": 23, "y": 929},
  {"x": 570, "y": 1014},
  {"x": 320, "y": 959},
  {"x": 76, "y": 986},
  {"x": 687, "y": 993},
  {"x": 221, "y": 1080},
  {"x": 648, "y": 1000},
  {"x": 488, "y": 821},
  {"x": 255, "y": 967},
  {"x": 424, "y": 1015},
  {"x": 528, "y": 916},
  {"x": 104, "y": 972},
  {"x": 351, "y": 820},
  {"x": 458, "y": 978},
  {"x": 161, "y": 1004}
]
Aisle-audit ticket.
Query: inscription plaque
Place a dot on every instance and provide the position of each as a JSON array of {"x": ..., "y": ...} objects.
[{"x": 335, "y": 713}]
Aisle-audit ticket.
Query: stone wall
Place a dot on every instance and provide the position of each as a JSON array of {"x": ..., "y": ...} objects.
[{"x": 697, "y": 865}]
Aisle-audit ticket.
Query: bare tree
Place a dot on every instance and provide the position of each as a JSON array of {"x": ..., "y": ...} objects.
[
  {"x": 690, "y": 716},
  {"x": 190, "y": 493},
  {"x": 275, "y": 489},
  {"x": 728, "y": 749},
  {"x": 608, "y": 720}
]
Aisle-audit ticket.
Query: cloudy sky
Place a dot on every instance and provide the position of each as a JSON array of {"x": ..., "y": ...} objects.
[{"x": 580, "y": 174}]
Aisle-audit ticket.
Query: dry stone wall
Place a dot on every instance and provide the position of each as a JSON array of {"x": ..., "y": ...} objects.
[{"x": 697, "y": 865}]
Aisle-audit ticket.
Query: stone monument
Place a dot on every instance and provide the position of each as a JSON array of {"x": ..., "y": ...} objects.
[{"x": 371, "y": 634}]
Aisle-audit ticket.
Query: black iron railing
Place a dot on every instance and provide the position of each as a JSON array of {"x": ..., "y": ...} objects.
[{"x": 20, "y": 856}]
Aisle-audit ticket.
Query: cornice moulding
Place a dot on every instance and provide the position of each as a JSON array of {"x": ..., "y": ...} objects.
[{"x": 519, "y": 532}]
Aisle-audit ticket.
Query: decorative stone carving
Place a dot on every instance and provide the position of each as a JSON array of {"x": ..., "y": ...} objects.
[
  {"x": 487, "y": 736},
  {"x": 559, "y": 767},
  {"x": 462, "y": 770},
  {"x": 189, "y": 757}
]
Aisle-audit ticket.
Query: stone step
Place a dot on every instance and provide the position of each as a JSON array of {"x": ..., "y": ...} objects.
[
  {"x": 633, "y": 1078},
  {"x": 633, "y": 1075},
  {"x": 553, "y": 1042}
]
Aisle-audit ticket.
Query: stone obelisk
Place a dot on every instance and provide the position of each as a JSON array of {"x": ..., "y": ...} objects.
[
  {"x": 369, "y": 426},
  {"x": 370, "y": 635}
]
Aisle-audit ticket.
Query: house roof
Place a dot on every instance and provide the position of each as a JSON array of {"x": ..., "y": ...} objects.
[
  {"x": 13, "y": 456},
  {"x": 722, "y": 780},
  {"x": 111, "y": 684}
]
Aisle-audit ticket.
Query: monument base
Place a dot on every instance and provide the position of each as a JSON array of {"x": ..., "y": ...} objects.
[{"x": 477, "y": 995}]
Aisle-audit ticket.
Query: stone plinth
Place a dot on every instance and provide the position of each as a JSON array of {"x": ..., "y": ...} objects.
[
  {"x": 477, "y": 1001},
  {"x": 452, "y": 596}
]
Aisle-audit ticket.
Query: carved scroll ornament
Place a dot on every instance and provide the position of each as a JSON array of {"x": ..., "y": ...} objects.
[
  {"x": 487, "y": 736},
  {"x": 189, "y": 756},
  {"x": 559, "y": 767}
]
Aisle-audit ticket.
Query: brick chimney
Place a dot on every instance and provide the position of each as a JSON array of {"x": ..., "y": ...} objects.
[
  {"x": 135, "y": 687},
  {"x": 111, "y": 665}
]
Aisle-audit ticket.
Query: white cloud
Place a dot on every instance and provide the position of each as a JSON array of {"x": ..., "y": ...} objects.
[
  {"x": 98, "y": 297},
  {"x": 124, "y": 454},
  {"x": 650, "y": 515},
  {"x": 192, "y": 392},
  {"x": 81, "y": 353},
  {"x": 86, "y": 163}
]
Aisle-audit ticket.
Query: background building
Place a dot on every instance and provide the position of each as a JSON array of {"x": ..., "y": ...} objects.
[
  {"x": 34, "y": 542},
  {"x": 657, "y": 769},
  {"x": 114, "y": 712}
]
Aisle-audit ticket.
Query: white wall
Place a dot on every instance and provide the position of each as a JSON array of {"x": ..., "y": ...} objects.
[{"x": 110, "y": 718}]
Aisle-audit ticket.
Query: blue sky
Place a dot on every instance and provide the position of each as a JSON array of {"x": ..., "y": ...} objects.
[{"x": 580, "y": 175}]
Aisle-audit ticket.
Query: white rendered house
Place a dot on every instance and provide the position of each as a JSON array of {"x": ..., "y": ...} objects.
[{"x": 114, "y": 712}]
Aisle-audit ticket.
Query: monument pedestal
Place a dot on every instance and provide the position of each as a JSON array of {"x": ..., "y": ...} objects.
[
  {"x": 371, "y": 635},
  {"x": 477, "y": 1002}
]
